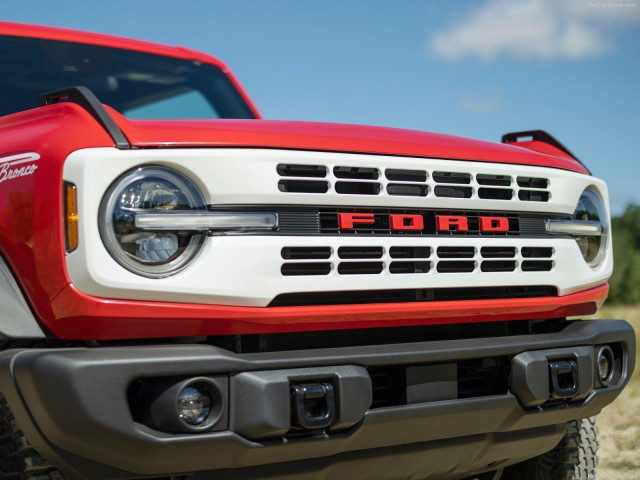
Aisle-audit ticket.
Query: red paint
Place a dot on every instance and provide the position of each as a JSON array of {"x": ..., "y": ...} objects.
[
  {"x": 406, "y": 222},
  {"x": 494, "y": 224},
  {"x": 31, "y": 235},
  {"x": 81, "y": 317},
  {"x": 77, "y": 36},
  {"x": 541, "y": 147},
  {"x": 329, "y": 137},
  {"x": 447, "y": 223},
  {"x": 348, "y": 221}
]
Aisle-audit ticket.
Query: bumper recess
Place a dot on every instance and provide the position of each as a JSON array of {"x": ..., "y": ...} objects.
[{"x": 314, "y": 413}]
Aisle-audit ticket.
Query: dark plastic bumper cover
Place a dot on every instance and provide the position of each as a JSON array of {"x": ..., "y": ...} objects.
[{"x": 72, "y": 405}]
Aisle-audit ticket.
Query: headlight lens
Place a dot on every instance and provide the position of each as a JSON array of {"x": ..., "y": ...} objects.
[
  {"x": 591, "y": 209},
  {"x": 150, "y": 189}
]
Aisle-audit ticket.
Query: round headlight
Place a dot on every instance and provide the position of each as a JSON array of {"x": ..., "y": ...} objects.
[
  {"x": 153, "y": 254},
  {"x": 591, "y": 208}
]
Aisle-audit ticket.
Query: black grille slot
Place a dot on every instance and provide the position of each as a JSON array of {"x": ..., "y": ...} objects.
[
  {"x": 455, "y": 266},
  {"x": 498, "y": 252},
  {"x": 494, "y": 180},
  {"x": 359, "y": 252},
  {"x": 298, "y": 269},
  {"x": 289, "y": 170},
  {"x": 537, "y": 252},
  {"x": 410, "y": 295},
  {"x": 532, "y": 182},
  {"x": 410, "y": 252},
  {"x": 398, "y": 175},
  {"x": 452, "y": 177},
  {"x": 452, "y": 191},
  {"x": 498, "y": 266},
  {"x": 456, "y": 252},
  {"x": 537, "y": 265},
  {"x": 482, "y": 376},
  {"x": 409, "y": 267},
  {"x": 303, "y": 186},
  {"x": 532, "y": 227},
  {"x": 356, "y": 173},
  {"x": 407, "y": 190},
  {"x": 533, "y": 196},
  {"x": 358, "y": 188},
  {"x": 495, "y": 193},
  {"x": 359, "y": 268},
  {"x": 305, "y": 253},
  {"x": 389, "y": 386},
  {"x": 299, "y": 222}
]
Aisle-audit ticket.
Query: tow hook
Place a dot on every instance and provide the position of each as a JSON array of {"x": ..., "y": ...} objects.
[
  {"x": 314, "y": 405},
  {"x": 564, "y": 379}
]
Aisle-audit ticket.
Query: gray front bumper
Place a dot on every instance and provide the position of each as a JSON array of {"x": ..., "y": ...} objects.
[{"x": 72, "y": 405}]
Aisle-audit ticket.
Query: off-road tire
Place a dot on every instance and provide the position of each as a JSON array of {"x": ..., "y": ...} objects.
[
  {"x": 18, "y": 459},
  {"x": 574, "y": 458}
]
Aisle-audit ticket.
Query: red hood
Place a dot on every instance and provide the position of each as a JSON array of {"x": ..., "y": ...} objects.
[{"x": 330, "y": 137}]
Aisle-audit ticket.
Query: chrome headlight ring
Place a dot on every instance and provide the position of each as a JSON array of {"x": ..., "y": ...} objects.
[
  {"x": 588, "y": 225},
  {"x": 148, "y": 190}
]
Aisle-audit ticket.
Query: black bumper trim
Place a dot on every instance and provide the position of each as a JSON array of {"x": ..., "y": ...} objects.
[{"x": 72, "y": 403}]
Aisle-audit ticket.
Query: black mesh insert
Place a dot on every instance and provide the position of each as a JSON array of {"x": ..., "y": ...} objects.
[{"x": 410, "y": 295}]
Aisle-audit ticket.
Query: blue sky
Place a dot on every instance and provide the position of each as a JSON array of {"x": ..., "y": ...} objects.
[{"x": 471, "y": 68}]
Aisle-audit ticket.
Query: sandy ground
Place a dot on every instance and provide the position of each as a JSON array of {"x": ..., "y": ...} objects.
[{"x": 619, "y": 423}]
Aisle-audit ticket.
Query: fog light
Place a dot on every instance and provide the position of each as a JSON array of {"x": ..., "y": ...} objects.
[
  {"x": 194, "y": 404},
  {"x": 190, "y": 405},
  {"x": 606, "y": 363}
]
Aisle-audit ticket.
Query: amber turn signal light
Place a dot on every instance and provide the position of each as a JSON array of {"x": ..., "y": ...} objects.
[{"x": 70, "y": 217}]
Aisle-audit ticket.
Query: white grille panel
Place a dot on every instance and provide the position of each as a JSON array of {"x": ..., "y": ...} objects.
[
  {"x": 415, "y": 259},
  {"x": 297, "y": 178},
  {"x": 247, "y": 269}
]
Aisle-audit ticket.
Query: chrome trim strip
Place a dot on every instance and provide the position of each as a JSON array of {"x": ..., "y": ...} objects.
[
  {"x": 575, "y": 227},
  {"x": 206, "y": 221}
]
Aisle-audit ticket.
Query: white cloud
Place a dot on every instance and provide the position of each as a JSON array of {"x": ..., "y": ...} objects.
[{"x": 545, "y": 29}]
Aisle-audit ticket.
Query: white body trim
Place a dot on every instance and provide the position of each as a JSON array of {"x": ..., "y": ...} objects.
[{"x": 245, "y": 269}]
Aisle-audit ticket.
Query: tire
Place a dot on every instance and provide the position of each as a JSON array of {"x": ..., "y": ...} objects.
[
  {"x": 18, "y": 459},
  {"x": 574, "y": 458}
]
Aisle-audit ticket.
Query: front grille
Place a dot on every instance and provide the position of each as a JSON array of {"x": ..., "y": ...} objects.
[
  {"x": 360, "y": 268},
  {"x": 305, "y": 253},
  {"x": 479, "y": 377},
  {"x": 356, "y": 173},
  {"x": 372, "y": 260},
  {"x": 305, "y": 269},
  {"x": 350, "y": 253},
  {"x": 410, "y": 295},
  {"x": 400, "y": 175},
  {"x": 483, "y": 376},
  {"x": 303, "y": 186},
  {"x": 324, "y": 221},
  {"x": 411, "y": 183},
  {"x": 381, "y": 223},
  {"x": 357, "y": 188},
  {"x": 311, "y": 340}
]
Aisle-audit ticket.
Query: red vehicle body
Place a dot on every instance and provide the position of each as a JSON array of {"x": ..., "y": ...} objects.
[{"x": 82, "y": 316}]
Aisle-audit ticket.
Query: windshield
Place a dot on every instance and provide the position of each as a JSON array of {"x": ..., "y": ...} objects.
[{"x": 138, "y": 85}]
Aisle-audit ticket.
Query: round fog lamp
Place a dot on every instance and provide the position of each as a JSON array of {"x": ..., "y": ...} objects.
[
  {"x": 605, "y": 365},
  {"x": 194, "y": 404}
]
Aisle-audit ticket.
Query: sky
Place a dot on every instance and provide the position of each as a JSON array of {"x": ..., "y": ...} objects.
[{"x": 474, "y": 68}]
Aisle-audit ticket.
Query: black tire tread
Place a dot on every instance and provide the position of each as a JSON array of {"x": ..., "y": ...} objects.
[
  {"x": 18, "y": 459},
  {"x": 574, "y": 458}
]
